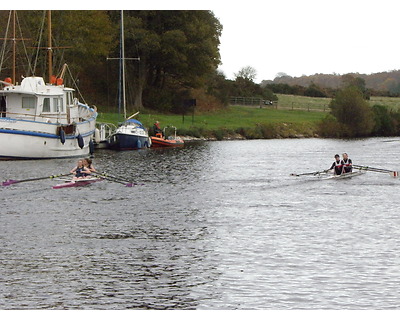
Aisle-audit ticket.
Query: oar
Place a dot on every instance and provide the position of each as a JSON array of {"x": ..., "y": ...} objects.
[
  {"x": 309, "y": 173},
  {"x": 9, "y": 182},
  {"x": 123, "y": 179},
  {"x": 114, "y": 179},
  {"x": 394, "y": 174}
]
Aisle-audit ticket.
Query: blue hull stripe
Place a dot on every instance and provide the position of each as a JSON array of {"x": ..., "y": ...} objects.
[{"x": 43, "y": 135}]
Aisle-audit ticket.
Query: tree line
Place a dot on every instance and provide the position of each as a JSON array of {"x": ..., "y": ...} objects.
[
  {"x": 380, "y": 84},
  {"x": 171, "y": 56},
  {"x": 173, "y": 52}
]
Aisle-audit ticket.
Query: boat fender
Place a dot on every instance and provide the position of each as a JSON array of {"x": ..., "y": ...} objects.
[
  {"x": 81, "y": 143},
  {"x": 62, "y": 135},
  {"x": 139, "y": 144},
  {"x": 91, "y": 146},
  {"x": 97, "y": 138}
]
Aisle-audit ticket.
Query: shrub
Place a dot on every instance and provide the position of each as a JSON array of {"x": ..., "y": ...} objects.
[{"x": 353, "y": 112}]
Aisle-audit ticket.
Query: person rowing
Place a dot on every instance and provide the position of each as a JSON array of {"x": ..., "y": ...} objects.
[
  {"x": 347, "y": 164},
  {"x": 80, "y": 171},
  {"x": 337, "y": 165},
  {"x": 89, "y": 165}
]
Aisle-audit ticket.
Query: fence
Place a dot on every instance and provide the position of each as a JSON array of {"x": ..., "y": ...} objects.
[{"x": 309, "y": 105}]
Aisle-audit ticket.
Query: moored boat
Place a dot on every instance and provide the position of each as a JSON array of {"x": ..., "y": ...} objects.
[
  {"x": 159, "y": 140},
  {"x": 129, "y": 136},
  {"x": 41, "y": 120},
  {"x": 102, "y": 135}
]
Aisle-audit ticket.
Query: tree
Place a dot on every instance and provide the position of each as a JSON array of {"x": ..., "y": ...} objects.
[
  {"x": 384, "y": 122},
  {"x": 247, "y": 73},
  {"x": 314, "y": 91},
  {"x": 177, "y": 51},
  {"x": 352, "y": 111},
  {"x": 82, "y": 39}
]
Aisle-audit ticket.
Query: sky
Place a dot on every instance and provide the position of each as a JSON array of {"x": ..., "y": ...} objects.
[
  {"x": 308, "y": 37},
  {"x": 302, "y": 37}
]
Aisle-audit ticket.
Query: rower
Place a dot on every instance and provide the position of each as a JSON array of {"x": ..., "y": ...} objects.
[
  {"x": 80, "y": 171},
  {"x": 88, "y": 164},
  {"x": 347, "y": 164},
  {"x": 337, "y": 165}
]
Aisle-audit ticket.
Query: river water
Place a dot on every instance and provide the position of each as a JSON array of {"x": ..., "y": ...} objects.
[{"x": 213, "y": 225}]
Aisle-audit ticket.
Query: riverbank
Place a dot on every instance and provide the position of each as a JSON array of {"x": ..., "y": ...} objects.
[{"x": 233, "y": 123}]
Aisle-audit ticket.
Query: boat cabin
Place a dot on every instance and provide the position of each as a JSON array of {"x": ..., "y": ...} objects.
[{"x": 35, "y": 100}]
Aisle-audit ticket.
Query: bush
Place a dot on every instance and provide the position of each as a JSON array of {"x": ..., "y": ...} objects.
[
  {"x": 353, "y": 112},
  {"x": 329, "y": 127},
  {"x": 384, "y": 122}
]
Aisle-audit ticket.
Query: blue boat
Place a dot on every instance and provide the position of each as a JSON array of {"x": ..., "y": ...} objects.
[{"x": 129, "y": 136}]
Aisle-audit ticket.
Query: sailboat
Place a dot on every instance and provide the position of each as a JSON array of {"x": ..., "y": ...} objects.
[
  {"x": 40, "y": 120},
  {"x": 131, "y": 134}
]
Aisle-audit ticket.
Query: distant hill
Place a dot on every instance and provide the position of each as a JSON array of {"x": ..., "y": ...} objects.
[{"x": 383, "y": 81}]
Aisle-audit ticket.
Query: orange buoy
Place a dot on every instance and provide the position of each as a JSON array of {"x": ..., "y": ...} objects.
[
  {"x": 60, "y": 81},
  {"x": 53, "y": 79},
  {"x": 8, "y": 80}
]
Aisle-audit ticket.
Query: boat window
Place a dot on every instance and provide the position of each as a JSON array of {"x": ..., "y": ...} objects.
[
  {"x": 46, "y": 105},
  {"x": 3, "y": 107},
  {"x": 29, "y": 102},
  {"x": 69, "y": 98},
  {"x": 58, "y": 105}
]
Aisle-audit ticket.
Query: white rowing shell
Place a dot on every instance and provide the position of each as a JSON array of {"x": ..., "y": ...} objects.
[{"x": 344, "y": 175}]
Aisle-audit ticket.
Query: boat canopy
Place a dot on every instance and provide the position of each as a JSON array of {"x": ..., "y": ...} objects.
[{"x": 135, "y": 122}]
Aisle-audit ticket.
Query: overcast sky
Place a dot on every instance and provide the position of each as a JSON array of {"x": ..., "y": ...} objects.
[
  {"x": 292, "y": 36},
  {"x": 309, "y": 36}
]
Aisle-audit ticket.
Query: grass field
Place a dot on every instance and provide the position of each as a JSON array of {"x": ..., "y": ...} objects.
[
  {"x": 287, "y": 101},
  {"x": 293, "y": 114},
  {"x": 392, "y": 102},
  {"x": 229, "y": 118}
]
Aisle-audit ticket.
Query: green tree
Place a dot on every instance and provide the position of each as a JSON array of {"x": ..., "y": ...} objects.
[
  {"x": 314, "y": 90},
  {"x": 177, "y": 50},
  {"x": 352, "y": 111},
  {"x": 82, "y": 39},
  {"x": 248, "y": 73},
  {"x": 385, "y": 124}
]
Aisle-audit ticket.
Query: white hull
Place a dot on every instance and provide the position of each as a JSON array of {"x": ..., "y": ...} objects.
[
  {"x": 41, "y": 121},
  {"x": 344, "y": 175},
  {"x": 30, "y": 146}
]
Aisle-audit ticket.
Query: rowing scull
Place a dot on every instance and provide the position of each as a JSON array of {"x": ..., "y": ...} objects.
[
  {"x": 344, "y": 175},
  {"x": 77, "y": 183}
]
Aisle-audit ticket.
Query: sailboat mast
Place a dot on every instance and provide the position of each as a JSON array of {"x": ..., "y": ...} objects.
[
  {"x": 123, "y": 63},
  {"x": 14, "y": 48},
  {"x": 50, "y": 48}
]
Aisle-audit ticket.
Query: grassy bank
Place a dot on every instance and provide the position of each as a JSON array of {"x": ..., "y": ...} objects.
[
  {"x": 294, "y": 116},
  {"x": 232, "y": 121}
]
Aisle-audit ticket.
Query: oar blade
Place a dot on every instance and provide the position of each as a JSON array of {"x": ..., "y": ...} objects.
[
  {"x": 9, "y": 182},
  {"x": 394, "y": 174}
]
